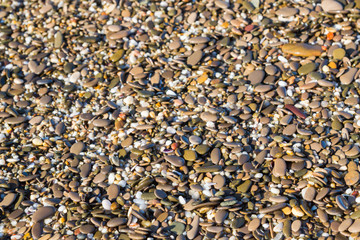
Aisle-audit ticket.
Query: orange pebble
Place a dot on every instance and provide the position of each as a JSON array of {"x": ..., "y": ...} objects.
[
  {"x": 330, "y": 36},
  {"x": 174, "y": 146},
  {"x": 332, "y": 65},
  {"x": 324, "y": 48}
]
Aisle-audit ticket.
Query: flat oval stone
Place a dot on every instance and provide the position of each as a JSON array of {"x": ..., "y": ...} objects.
[
  {"x": 286, "y": 12},
  {"x": 205, "y": 169},
  {"x": 322, "y": 193},
  {"x": 117, "y": 55},
  {"x": 58, "y": 39},
  {"x": 214, "y": 229},
  {"x": 279, "y": 169},
  {"x": 263, "y": 88},
  {"x": 44, "y": 100},
  {"x": 113, "y": 191},
  {"x": 286, "y": 120},
  {"x": 348, "y": 77},
  {"x": 208, "y": 117},
  {"x": 289, "y": 129},
  {"x": 195, "y": 58},
  {"x": 99, "y": 178},
  {"x": 215, "y": 155},
  {"x": 302, "y": 49},
  {"x": 86, "y": 229},
  {"x": 37, "y": 230},
  {"x": 15, "y": 120},
  {"x": 256, "y": 76},
  {"x": 36, "y": 120},
  {"x": 278, "y": 199},
  {"x": 254, "y": 224},
  {"x": 220, "y": 216},
  {"x": 115, "y": 222},
  {"x": 307, "y": 68},
  {"x": 175, "y": 160},
  {"x": 196, "y": 140},
  {"x": 160, "y": 194},
  {"x": 309, "y": 193},
  {"x": 8, "y": 199},
  {"x": 101, "y": 122},
  {"x": 43, "y": 213},
  {"x": 86, "y": 116},
  {"x": 127, "y": 142},
  {"x": 190, "y": 155},
  {"x": 197, "y": 40},
  {"x": 344, "y": 225},
  {"x": 74, "y": 196},
  {"x": 351, "y": 178},
  {"x": 119, "y": 35},
  {"x": 77, "y": 148},
  {"x": 339, "y": 53},
  {"x": 15, "y": 214},
  {"x": 114, "y": 28},
  {"x": 355, "y": 227},
  {"x": 221, "y": 4},
  {"x": 331, "y": 6},
  {"x": 219, "y": 181},
  {"x": 85, "y": 170},
  {"x": 272, "y": 208},
  {"x": 296, "y": 225},
  {"x": 60, "y": 128},
  {"x": 342, "y": 203}
]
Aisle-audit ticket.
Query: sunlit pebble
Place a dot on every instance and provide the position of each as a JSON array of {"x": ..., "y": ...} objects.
[
  {"x": 278, "y": 227},
  {"x": 106, "y": 204}
]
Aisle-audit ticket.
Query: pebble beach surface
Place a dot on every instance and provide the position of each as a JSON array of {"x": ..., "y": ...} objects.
[{"x": 180, "y": 119}]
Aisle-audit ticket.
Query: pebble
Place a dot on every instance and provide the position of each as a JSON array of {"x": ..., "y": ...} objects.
[
  {"x": 8, "y": 200},
  {"x": 195, "y": 58},
  {"x": 355, "y": 226},
  {"x": 193, "y": 232},
  {"x": 287, "y": 11},
  {"x": 279, "y": 167},
  {"x": 77, "y": 148},
  {"x": 352, "y": 177},
  {"x": 331, "y": 5},
  {"x": 219, "y": 181},
  {"x": 345, "y": 225},
  {"x": 254, "y": 224},
  {"x": 302, "y": 49},
  {"x": 101, "y": 122},
  {"x": 86, "y": 229},
  {"x": 115, "y": 222},
  {"x": 348, "y": 76},
  {"x": 175, "y": 160},
  {"x": 43, "y": 213}
]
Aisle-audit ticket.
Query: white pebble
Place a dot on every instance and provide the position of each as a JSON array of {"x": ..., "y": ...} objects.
[{"x": 106, "y": 204}]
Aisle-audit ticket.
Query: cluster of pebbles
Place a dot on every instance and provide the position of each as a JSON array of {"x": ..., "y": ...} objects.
[{"x": 208, "y": 119}]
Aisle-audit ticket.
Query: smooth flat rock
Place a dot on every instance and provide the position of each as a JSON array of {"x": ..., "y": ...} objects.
[
  {"x": 77, "y": 148},
  {"x": 195, "y": 58},
  {"x": 287, "y": 12},
  {"x": 279, "y": 169},
  {"x": 8, "y": 199},
  {"x": 175, "y": 160},
  {"x": 348, "y": 76},
  {"x": 43, "y": 213},
  {"x": 114, "y": 222},
  {"x": 302, "y": 49},
  {"x": 331, "y": 6}
]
